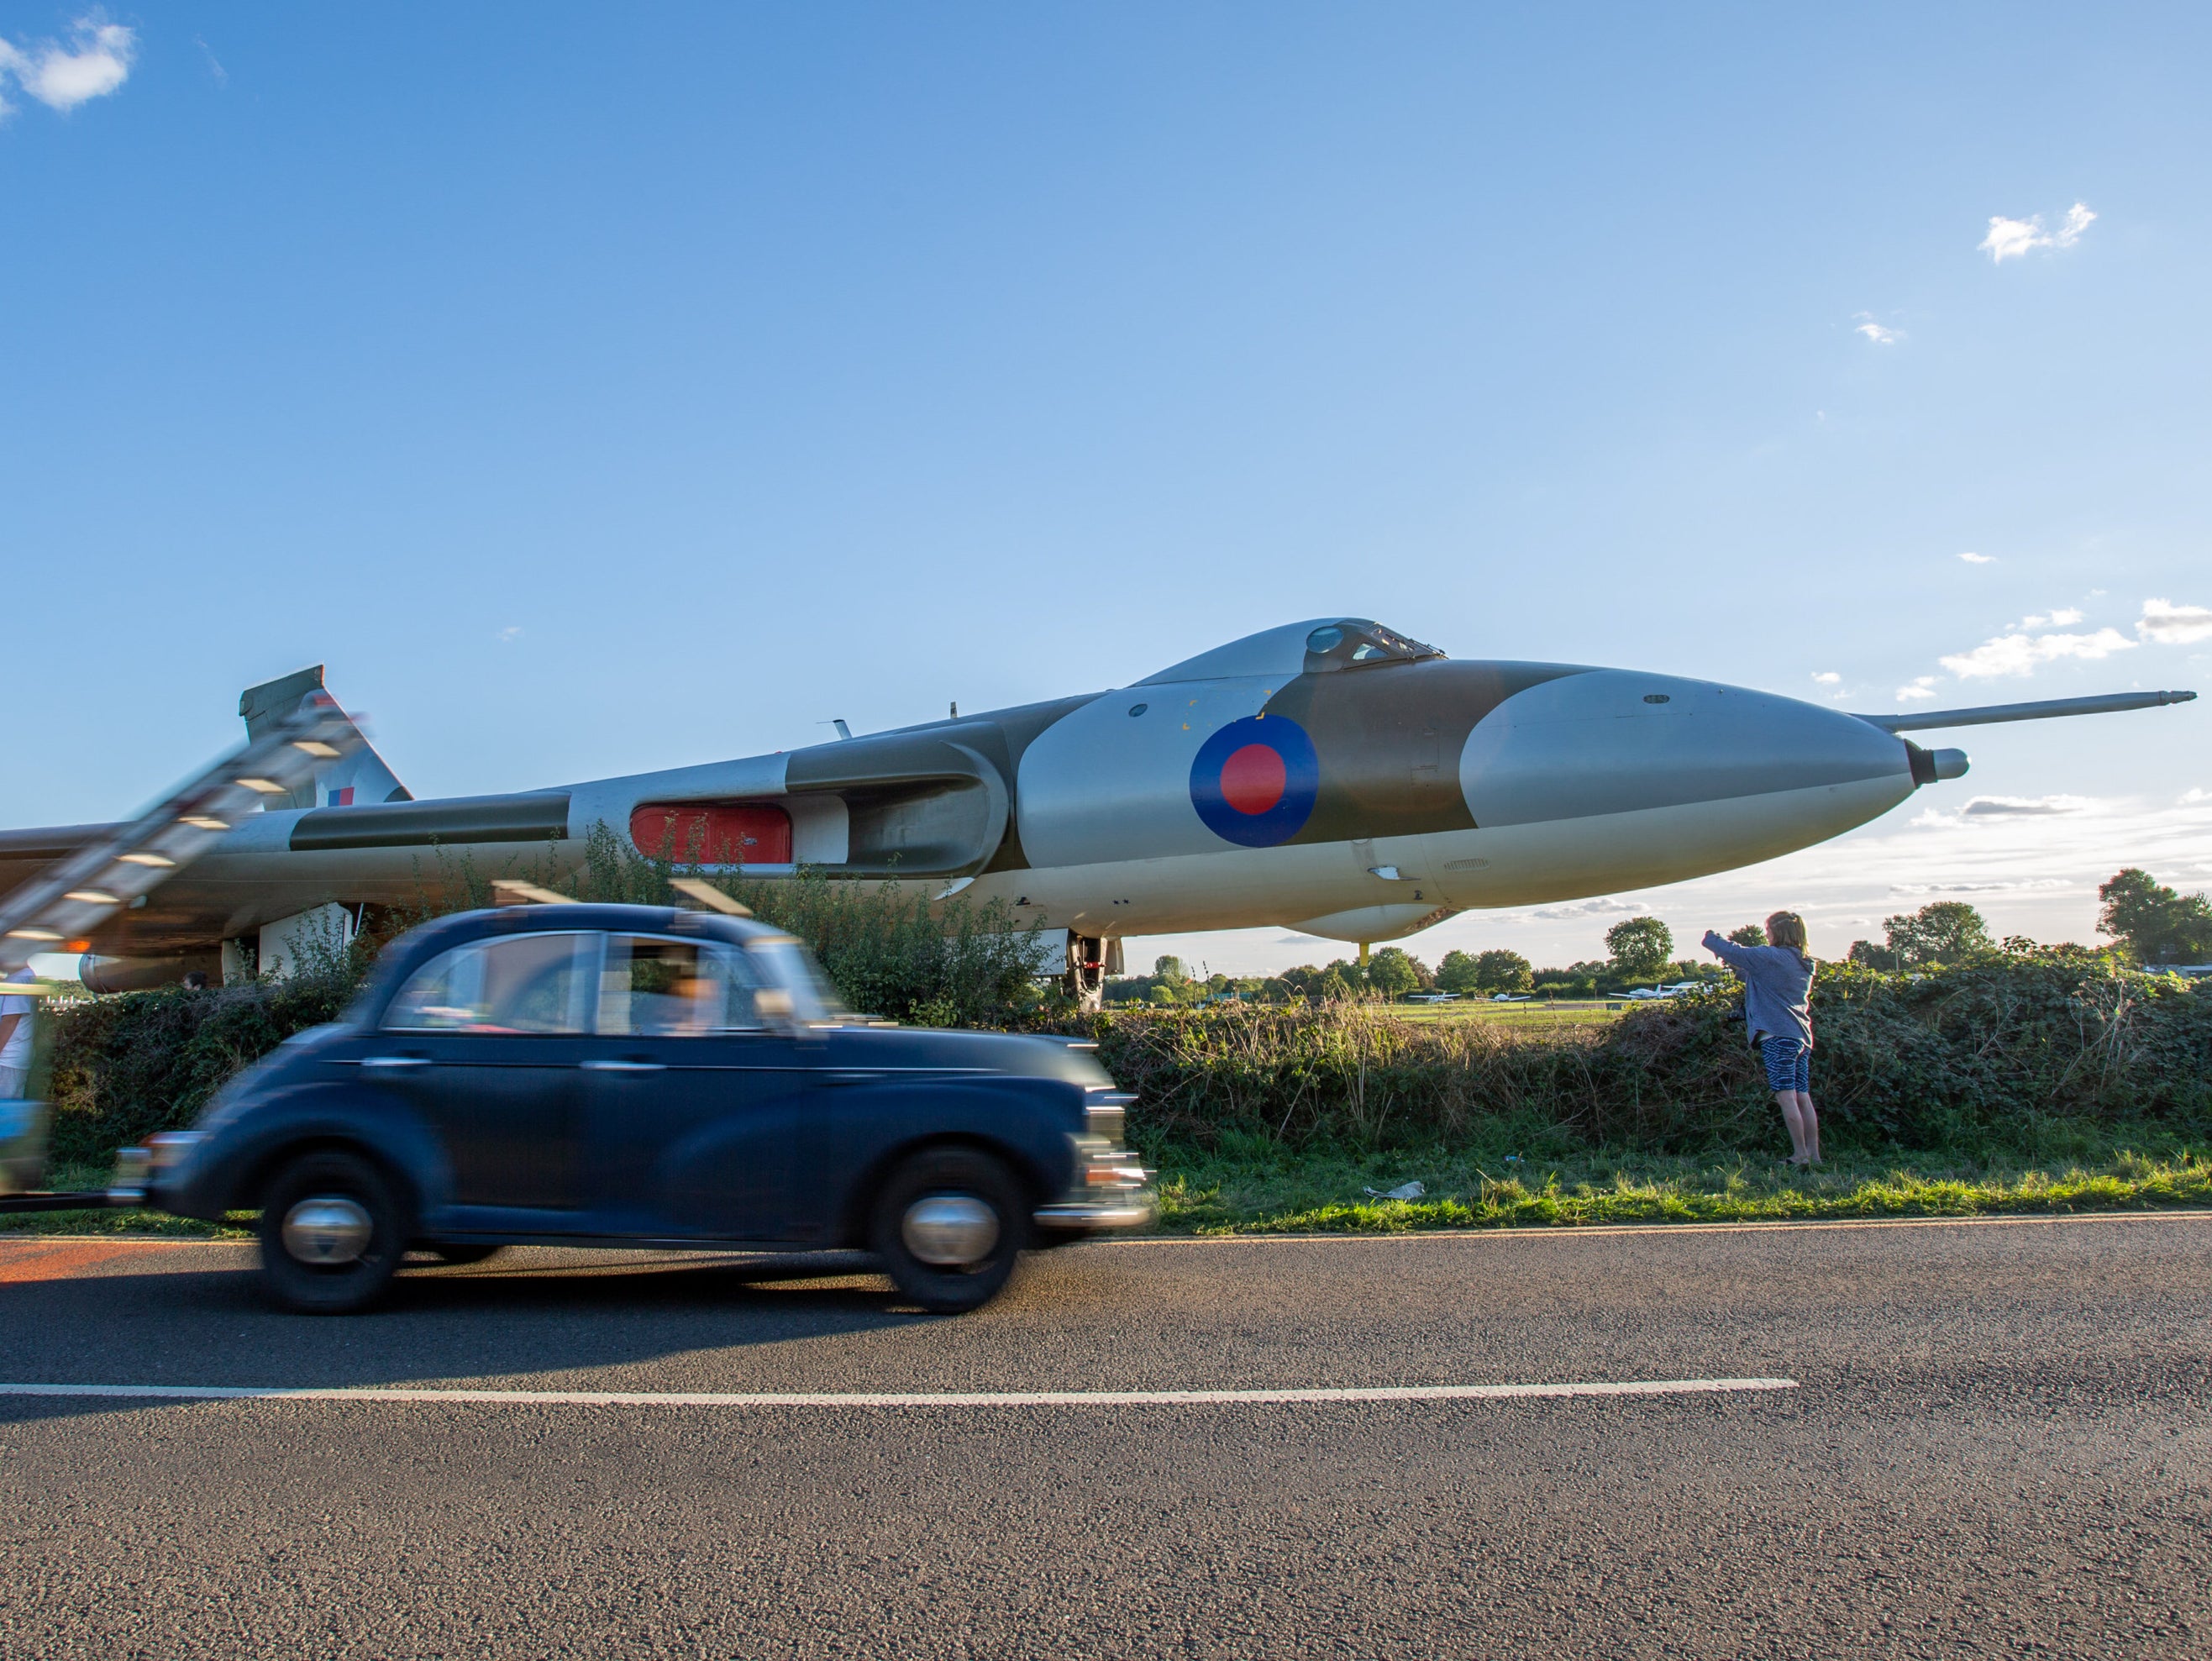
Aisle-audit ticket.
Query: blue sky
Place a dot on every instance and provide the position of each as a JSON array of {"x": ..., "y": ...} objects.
[{"x": 598, "y": 391}]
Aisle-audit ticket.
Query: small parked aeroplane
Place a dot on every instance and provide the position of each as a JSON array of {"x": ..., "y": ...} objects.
[{"x": 1332, "y": 776}]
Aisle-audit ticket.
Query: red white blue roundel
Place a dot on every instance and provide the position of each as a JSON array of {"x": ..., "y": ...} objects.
[{"x": 1254, "y": 780}]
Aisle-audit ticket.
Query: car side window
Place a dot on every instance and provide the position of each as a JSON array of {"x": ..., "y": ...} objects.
[
  {"x": 658, "y": 988},
  {"x": 526, "y": 983}
]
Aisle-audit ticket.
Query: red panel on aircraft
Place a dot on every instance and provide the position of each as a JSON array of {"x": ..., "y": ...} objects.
[{"x": 713, "y": 832}]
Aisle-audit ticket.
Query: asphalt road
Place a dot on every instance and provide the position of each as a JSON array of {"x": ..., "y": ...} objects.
[{"x": 1997, "y": 1445}]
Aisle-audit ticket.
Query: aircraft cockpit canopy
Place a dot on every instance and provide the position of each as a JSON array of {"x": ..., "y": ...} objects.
[{"x": 1360, "y": 643}]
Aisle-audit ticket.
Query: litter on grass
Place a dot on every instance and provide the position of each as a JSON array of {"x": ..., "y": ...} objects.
[{"x": 1403, "y": 1191}]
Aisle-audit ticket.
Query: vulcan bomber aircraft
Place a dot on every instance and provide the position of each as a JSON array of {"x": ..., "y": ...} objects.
[{"x": 1333, "y": 777}]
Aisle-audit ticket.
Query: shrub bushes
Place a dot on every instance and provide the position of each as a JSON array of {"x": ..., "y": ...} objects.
[
  {"x": 2014, "y": 1055},
  {"x": 127, "y": 1066},
  {"x": 1972, "y": 1059}
]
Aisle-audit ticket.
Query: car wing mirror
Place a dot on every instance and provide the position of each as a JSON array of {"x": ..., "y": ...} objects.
[{"x": 773, "y": 1004}]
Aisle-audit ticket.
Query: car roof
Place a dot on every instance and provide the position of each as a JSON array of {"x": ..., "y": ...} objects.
[
  {"x": 419, "y": 945},
  {"x": 562, "y": 919}
]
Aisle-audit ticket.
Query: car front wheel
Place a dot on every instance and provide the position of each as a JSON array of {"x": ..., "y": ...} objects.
[
  {"x": 330, "y": 1233},
  {"x": 950, "y": 1225}
]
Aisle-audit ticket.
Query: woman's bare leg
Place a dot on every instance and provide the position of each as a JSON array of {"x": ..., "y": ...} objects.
[{"x": 1786, "y": 1100}]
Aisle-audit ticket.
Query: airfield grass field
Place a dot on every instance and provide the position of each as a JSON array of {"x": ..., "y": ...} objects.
[{"x": 1540, "y": 1014}]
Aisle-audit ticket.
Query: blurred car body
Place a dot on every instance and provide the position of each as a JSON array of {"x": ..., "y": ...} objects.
[{"x": 602, "y": 1076}]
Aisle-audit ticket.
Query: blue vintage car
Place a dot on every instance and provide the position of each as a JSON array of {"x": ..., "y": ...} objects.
[{"x": 629, "y": 1075}]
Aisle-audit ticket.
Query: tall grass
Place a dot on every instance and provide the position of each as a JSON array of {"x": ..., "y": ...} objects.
[{"x": 2026, "y": 1054}]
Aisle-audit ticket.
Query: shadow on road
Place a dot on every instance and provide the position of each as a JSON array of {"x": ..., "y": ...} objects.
[{"x": 512, "y": 1321}]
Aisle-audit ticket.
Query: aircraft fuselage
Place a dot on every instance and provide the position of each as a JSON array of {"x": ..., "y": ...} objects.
[{"x": 1327, "y": 777}]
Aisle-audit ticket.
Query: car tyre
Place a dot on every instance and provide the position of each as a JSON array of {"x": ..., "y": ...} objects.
[
  {"x": 330, "y": 1233},
  {"x": 456, "y": 1253},
  {"x": 950, "y": 1225}
]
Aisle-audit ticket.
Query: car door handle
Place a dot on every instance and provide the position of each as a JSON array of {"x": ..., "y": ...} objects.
[
  {"x": 394, "y": 1062},
  {"x": 623, "y": 1066}
]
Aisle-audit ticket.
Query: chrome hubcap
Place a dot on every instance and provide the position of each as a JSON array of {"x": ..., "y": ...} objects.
[
  {"x": 950, "y": 1229},
  {"x": 327, "y": 1230}
]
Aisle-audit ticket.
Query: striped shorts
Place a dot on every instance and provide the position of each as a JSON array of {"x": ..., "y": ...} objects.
[{"x": 1789, "y": 1063}]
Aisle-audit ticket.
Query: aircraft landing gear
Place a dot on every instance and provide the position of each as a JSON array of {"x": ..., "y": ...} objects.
[{"x": 1089, "y": 961}]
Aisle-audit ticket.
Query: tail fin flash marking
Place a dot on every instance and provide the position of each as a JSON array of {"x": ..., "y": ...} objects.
[{"x": 362, "y": 777}]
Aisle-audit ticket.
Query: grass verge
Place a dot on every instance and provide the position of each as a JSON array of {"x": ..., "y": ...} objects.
[
  {"x": 1308, "y": 1192},
  {"x": 66, "y": 1177}
]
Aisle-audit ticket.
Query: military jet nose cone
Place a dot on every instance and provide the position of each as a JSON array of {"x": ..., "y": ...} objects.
[
  {"x": 1613, "y": 741},
  {"x": 1930, "y": 765}
]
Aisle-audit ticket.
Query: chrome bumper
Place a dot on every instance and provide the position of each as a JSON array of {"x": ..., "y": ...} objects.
[
  {"x": 1136, "y": 1210},
  {"x": 1112, "y": 1191},
  {"x": 136, "y": 1168}
]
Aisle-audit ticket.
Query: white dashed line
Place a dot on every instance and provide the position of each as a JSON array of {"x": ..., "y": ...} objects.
[{"x": 1037, "y": 1398}]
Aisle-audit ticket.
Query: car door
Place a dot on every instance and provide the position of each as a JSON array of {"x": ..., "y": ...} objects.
[
  {"x": 692, "y": 1095},
  {"x": 484, "y": 1043}
]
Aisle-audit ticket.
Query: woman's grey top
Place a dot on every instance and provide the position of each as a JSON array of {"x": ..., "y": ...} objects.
[{"x": 1775, "y": 983}]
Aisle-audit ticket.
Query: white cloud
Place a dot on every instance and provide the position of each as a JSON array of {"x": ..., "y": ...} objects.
[
  {"x": 2015, "y": 239},
  {"x": 2008, "y": 239},
  {"x": 2169, "y": 624},
  {"x": 509, "y": 635},
  {"x": 2194, "y": 794},
  {"x": 1999, "y": 807},
  {"x": 96, "y": 61},
  {"x": 1979, "y": 559},
  {"x": 1590, "y": 909},
  {"x": 1875, "y": 331},
  {"x": 2019, "y": 652},
  {"x": 2027, "y": 885},
  {"x": 1925, "y": 687},
  {"x": 1827, "y": 678},
  {"x": 2063, "y": 616}
]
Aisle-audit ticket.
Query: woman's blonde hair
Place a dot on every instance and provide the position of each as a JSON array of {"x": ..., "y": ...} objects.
[{"x": 1787, "y": 928}]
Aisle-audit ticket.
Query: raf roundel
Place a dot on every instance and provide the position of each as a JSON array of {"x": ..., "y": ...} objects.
[{"x": 1254, "y": 781}]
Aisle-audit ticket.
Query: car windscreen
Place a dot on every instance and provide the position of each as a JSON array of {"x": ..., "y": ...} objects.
[
  {"x": 523, "y": 983},
  {"x": 785, "y": 963}
]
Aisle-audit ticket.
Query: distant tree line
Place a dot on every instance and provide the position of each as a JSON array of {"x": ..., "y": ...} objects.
[
  {"x": 1640, "y": 951},
  {"x": 2150, "y": 925}
]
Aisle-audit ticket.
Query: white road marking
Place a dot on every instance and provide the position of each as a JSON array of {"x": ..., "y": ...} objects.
[{"x": 1035, "y": 1398}]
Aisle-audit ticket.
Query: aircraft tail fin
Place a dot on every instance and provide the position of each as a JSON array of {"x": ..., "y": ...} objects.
[{"x": 357, "y": 778}]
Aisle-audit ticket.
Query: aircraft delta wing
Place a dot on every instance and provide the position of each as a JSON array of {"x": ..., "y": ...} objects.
[{"x": 1332, "y": 776}]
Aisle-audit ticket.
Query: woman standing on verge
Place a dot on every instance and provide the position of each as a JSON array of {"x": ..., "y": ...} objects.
[{"x": 1777, "y": 978}]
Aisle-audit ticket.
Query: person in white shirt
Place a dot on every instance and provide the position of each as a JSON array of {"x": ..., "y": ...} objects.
[{"x": 16, "y": 1015}]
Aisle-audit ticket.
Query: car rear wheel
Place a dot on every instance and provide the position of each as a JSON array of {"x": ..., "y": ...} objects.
[
  {"x": 330, "y": 1233},
  {"x": 950, "y": 1225},
  {"x": 455, "y": 1251}
]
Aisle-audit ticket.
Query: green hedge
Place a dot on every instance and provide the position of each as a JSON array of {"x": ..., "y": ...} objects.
[
  {"x": 127, "y": 1066},
  {"x": 2001, "y": 1055},
  {"x": 2005, "y": 1055}
]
